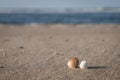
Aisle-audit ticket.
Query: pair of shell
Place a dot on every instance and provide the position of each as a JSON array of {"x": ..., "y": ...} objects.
[{"x": 74, "y": 63}]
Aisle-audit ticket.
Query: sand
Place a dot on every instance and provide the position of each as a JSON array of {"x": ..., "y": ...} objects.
[{"x": 41, "y": 52}]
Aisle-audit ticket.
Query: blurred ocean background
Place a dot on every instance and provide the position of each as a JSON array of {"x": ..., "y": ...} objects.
[
  {"x": 59, "y": 12},
  {"x": 66, "y": 17}
]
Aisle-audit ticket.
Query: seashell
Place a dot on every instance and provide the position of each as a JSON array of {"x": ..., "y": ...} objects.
[
  {"x": 83, "y": 65},
  {"x": 73, "y": 63}
]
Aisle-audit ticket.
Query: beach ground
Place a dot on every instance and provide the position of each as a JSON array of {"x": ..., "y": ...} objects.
[{"x": 41, "y": 52}]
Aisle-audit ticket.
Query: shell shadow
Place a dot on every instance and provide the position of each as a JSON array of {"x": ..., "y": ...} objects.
[{"x": 97, "y": 67}]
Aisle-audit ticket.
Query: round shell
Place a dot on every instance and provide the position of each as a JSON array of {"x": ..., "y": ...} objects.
[
  {"x": 73, "y": 63},
  {"x": 83, "y": 65}
]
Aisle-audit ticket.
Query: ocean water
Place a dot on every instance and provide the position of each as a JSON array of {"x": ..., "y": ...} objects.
[{"x": 61, "y": 18}]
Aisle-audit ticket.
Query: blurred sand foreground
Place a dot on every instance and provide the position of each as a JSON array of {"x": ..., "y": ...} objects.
[{"x": 41, "y": 52}]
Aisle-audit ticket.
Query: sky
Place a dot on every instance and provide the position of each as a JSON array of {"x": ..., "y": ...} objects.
[{"x": 61, "y": 4}]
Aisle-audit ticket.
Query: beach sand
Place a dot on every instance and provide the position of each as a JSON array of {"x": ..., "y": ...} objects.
[{"x": 41, "y": 52}]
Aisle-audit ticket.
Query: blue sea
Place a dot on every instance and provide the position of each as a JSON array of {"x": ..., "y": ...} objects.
[{"x": 60, "y": 18}]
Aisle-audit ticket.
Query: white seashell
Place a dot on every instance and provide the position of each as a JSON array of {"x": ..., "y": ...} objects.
[
  {"x": 73, "y": 63},
  {"x": 83, "y": 65}
]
